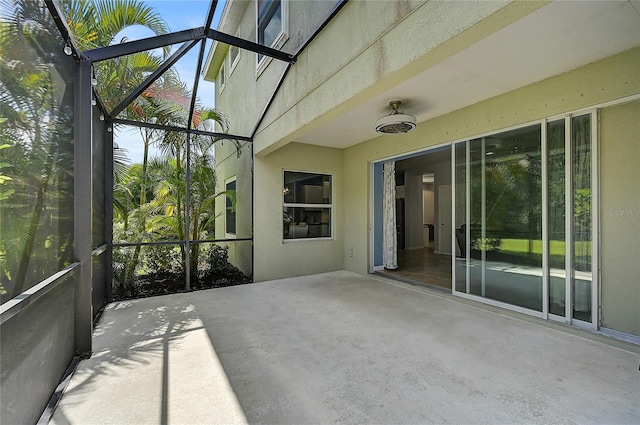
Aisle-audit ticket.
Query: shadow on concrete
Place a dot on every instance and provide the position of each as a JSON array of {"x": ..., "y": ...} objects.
[{"x": 340, "y": 347}]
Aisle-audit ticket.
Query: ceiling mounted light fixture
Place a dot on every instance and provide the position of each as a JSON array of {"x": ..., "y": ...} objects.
[{"x": 396, "y": 122}]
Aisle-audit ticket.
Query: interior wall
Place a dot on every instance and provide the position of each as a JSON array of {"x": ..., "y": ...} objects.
[
  {"x": 620, "y": 216},
  {"x": 274, "y": 257},
  {"x": 428, "y": 204},
  {"x": 413, "y": 211},
  {"x": 442, "y": 177}
]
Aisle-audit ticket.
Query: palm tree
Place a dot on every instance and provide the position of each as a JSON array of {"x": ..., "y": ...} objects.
[
  {"x": 36, "y": 112},
  {"x": 99, "y": 23}
]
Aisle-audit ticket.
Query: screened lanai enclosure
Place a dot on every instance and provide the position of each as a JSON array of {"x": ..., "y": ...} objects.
[{"x": 108, "y": 183}]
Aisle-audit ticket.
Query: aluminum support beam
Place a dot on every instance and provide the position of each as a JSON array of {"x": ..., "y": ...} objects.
[
  {"x": 153, "y": 77},
  {"x": 181, "y": 130},
  {"x": 108, "y": 209},
  {"x": 82, "y": 199},
  {"x": 196, "y": 82},
  {"x": 123, "y": 49},
  {"x": 212, "y": 11},
  {"x": 249, "y": 45}
]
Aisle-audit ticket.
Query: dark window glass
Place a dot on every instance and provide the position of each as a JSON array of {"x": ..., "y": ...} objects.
[
  {"x": 307, "y": 205},
  {"x": 269, "y": 22},
  {"x": 230, "y": 209}
]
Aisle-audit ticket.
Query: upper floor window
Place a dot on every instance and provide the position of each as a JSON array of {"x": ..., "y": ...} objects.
[
  {"x": 234, "y": 58},
  {"x": 222, "y": 76},
  {"x": 271, "y": 23}
]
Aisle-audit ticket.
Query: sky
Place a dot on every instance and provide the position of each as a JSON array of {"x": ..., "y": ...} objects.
[{"x": 179, "y": 15}]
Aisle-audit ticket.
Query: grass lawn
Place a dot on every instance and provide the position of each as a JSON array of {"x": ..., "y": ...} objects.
[{"x": 556, "y": 248}]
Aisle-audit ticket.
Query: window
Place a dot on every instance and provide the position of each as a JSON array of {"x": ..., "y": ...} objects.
[
  {"x": 271, "y": 24},
  {"x": 234, "y": 58},
  {"x": 222, "y": 76},
  {"x": 230, "y": 208},
  {"x": 307, "y": 205}
]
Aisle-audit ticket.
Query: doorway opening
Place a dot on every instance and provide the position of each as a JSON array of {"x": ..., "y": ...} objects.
[{"x": 423, "y": 210}]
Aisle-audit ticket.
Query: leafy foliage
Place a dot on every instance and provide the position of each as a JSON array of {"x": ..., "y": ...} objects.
[{"x": 36, "y": 153}]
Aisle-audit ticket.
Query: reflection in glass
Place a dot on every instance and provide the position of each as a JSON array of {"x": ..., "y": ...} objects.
[
  {"x": 461, "y": 216},
  {"x": 304, "y": 222},
  {"x": 269, "y": 21},
  {"x": 556, "y": 216},
  {"x": 505, "y": 244},
  {"x": 307, "y": 210},
  {"x": 504, "y": 189},
  {"x": 230, "y": 208},
  {"x": 36, "y": 149},
  {"x": 582, "y": 236}
]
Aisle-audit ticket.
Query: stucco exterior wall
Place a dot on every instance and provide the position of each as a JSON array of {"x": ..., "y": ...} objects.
[
  {"x": 247, "y": 92},
  {"x": 274, "y": 257},
  {"x": 375, "y": 58},
  {"x": 620, "y": 216},
  {"x": 228, "y": 166}
]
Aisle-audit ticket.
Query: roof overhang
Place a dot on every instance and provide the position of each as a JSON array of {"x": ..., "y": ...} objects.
[
  {"x": 229, "y": 22},
  {"x": 554, "y": 39}
]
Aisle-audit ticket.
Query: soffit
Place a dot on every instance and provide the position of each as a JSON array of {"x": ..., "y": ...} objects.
[
  {"x": 554, "y": 39},
  {"x": 232, "y": 15}
]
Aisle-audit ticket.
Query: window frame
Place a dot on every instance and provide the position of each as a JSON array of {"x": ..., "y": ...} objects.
[
  {"x": 329, "y": 206},
  {"x": 227, "y": 210},
  {"x": 263, "y": 61},
  {"x": 233, "y": 60},
  {"x": 222, "y": 74}
]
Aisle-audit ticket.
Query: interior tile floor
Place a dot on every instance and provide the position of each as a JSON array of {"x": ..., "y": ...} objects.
[{"x": 422, "y": 266}]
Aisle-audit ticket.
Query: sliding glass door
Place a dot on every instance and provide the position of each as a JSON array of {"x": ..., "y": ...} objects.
[{"x": 523, "y": 217}]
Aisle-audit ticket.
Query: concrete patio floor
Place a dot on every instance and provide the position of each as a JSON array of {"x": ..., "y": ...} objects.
[{"x": 344, "y": 348}]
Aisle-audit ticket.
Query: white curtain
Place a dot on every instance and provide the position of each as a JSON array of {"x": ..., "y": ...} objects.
[{"x": 389, "y": 241}]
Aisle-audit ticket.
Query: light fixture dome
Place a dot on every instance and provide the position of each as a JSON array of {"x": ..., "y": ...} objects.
[{"x": 396, "y": 122}]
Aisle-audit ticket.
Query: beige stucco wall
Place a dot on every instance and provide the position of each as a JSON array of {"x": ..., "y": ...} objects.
[
  {"x": 229, "y": 165},
  {"x": 363, "y": 52},
  {"x": 246, "y": 92},
  {"x": 620, "y": 216},
  {"x": 274, "y": 257}
]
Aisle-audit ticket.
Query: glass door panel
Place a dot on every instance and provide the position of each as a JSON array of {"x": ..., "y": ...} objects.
[
  {"x": 582, "y": 216},
  {"x": 461, "y": 247},
  {"x": 556, "y": 216},
  {"x": 504, "y": 258},
  {"x": 499, "y": 220}
]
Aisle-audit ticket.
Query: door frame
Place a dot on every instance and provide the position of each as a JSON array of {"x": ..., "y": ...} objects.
[{"x": 375, "y": 192}]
